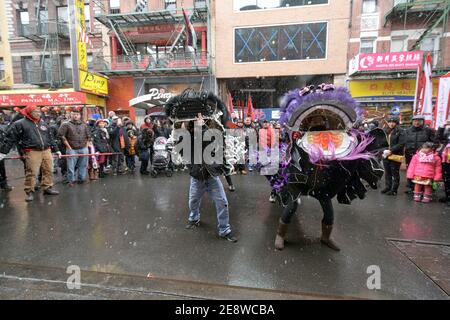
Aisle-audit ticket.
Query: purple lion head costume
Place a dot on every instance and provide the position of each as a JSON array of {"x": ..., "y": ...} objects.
[{"x": 325, "y": 155}]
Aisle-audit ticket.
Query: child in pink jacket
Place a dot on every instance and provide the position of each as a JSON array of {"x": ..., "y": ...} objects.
[{"x": 424, "y": 169}]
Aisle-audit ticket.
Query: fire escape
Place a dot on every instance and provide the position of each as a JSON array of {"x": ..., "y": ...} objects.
[
  {"x": 125, "y": 28},
  {"x": 50, "y": 35},
  {"x": 431, "y": 14}
]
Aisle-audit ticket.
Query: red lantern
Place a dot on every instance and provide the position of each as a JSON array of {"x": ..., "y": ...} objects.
[
  {"x": 77, "y": 109},
  {"x": 67, "y": 109},
  {"x": 56, "y": 109},
  {"x": 44, "y": 109}
]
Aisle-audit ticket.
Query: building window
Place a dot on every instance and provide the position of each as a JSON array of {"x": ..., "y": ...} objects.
[
  {"x": 87, "y": 16},
  {"x": 278, "y": 43},
  {"x": 200, "y": 4},
  {"x": 369, "y": 6},
  {"x": 43, "y": 21},
  {"x": 67, "y": 68},
  {"x": 245, "y": 5},
  {"x": 367, "y": 46},
  {"x": 27, "y": 69},
  {"x": 171, "y": 5},
  {"x": 397, "y": 45},
  {"x": 114, "y": 6},
  {"x": 23, "y": 23},
  {"x": 63, "y": 14}
]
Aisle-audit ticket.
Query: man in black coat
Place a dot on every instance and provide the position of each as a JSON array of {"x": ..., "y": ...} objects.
[
  {"x": 3, "y": 179},
  {"x": 34, "y": 138},
  {"x": 119, "y": 143},
  {"x": 396, "y": 139},
  {"x": 415, "y": 137}
]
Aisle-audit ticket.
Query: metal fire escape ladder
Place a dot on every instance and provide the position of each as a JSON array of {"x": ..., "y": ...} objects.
[
  {"x": 100, "y": 5},
  {"x": 50, "y": 66},
  {"x": 442, "y": 18},
  {"x": 126, "y": 44}
]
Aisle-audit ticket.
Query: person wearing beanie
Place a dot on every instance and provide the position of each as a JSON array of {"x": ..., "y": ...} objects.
[
  {"x": 415, "y": 137},
  {"x": 34, "y": 138}
]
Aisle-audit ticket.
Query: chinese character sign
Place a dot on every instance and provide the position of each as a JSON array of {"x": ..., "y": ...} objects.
[
  {"x": 389, "y": 61},
  {"x": 81, "y": 28}
]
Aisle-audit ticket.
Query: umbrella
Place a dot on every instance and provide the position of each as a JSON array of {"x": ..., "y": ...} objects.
[{"x": 157, "y": 114}]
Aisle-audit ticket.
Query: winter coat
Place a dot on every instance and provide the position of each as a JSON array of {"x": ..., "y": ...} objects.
[
  {"x": 77, "y": 134},
  {"x": 101, "y": 140},
  {"x": 115, "y": 134},
  {"x": 396, "y": 139},
  {"x": 132, "y": 147},
  {"x": 29, "y": 135},
  {"x": 204, "y": 171},
  {"x": 442, "y": 135},
  {"x": 415, "y": 137},
  {"x": 425, "y": 166}
]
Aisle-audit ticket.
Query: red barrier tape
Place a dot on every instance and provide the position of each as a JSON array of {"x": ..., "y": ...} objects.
[{"x": 70, "y": 155}]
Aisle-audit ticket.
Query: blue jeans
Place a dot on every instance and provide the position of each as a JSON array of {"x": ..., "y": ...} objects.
[
  {"x": 213, "y": 186},
  {"x": 79, "y": 163}
]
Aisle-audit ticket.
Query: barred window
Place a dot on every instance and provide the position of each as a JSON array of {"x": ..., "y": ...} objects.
[{"x": 278, "y": 43}]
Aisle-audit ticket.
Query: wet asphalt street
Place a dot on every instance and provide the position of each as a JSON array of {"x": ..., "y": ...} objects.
[{"x": 132, "y": 227}]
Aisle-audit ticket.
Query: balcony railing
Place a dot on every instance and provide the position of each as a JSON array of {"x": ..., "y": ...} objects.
[
  {"x": 183, "y": 62},
  {"x": 47, "y": 76},
  {"x": 400, "y": 7},
  {"x": 36, "y": 29}
]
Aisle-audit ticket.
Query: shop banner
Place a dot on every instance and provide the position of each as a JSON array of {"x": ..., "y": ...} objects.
[
  {"x": 42, "y": 99},
  {"x": 441, "y": 111},
  {"x": 386, "y": 61},
  {"x": 386, "y": 89}
]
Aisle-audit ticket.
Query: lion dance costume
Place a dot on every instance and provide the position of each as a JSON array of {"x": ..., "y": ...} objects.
[{"x": 324, "y": 156}]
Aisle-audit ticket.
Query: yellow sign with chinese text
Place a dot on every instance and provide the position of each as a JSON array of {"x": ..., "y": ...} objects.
[
  {"x": 82, "y": 48},
  {"x": 386, "y": 88},
  {"x": 93, "y": 83}
]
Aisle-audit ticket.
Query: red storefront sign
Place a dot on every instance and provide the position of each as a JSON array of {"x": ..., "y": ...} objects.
[
  {"x": 386, "y": 61},
  {"x": 42, "y": 99}
]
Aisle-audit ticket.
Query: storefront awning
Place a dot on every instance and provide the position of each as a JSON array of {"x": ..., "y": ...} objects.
[{"x": 44, "y": 97}]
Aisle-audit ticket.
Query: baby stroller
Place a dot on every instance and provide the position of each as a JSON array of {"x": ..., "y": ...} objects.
[{"x": 162, "y": 160}]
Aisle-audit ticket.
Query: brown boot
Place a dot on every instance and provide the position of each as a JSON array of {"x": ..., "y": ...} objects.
[
  {"x": 326, "y": 233},
  {"x": 95, "y": 175},
  {"x": 91, "y": 174},
  {"x": 281, "y": 233}
]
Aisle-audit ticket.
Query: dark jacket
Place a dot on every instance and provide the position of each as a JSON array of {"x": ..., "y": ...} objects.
[
  {"x": 442, "y": 135},
  {"x": 204, "y": 171},
  {"x": 115, "y": 132},
  {"x": 77, "y": 134},
  {"x": 396, "y": 139},
  {"x": 145, "y": 141},
  {"x": 415, "y": 137},
  {"x": 101, "y": 140},
  {"x": 28, "y": 135}
]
